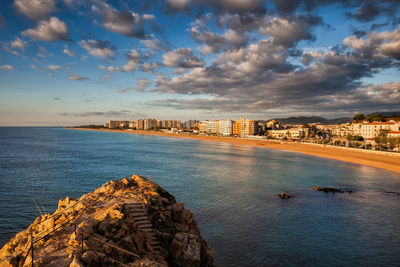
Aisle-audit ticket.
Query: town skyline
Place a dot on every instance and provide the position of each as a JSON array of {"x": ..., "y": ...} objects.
[{"x": 71, "y": 62}]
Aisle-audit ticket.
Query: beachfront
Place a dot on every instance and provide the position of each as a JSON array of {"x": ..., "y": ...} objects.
[{"x": 382, "y": 160}]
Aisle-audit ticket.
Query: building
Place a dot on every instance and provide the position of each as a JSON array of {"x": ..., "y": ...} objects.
[
  {"x": 117, "y": 124},
  {"x": 149, "y": 124},
  {"x": 273, "y": 124},
  {"x": 132, "y": 125},
  {"x": 294, "y": 133},
  {"x": 236, "y": 128},
  {"x": 373, "y": 129},
  {"x": 211, "y": 127},
  {"x": 224, "y": 127},
  {"x": 203, "y": 127},
  {"x": 139, "y": 124},
  {"x": 343, "y": 130},
  {"x": 248, "y": 127},
  {"x": 393, "y": 134}
]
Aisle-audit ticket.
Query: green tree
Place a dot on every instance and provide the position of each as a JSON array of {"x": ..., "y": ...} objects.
[
  {"x": 375, "y": 117},
  {"x": 381, "y": 138},
  {"x": 358, "y": 117}
]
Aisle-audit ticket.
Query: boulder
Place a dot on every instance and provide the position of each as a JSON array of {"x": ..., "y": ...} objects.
[
  {"x": 283, "y": 195},
  {"x": 90, "y": 258},
  {"x": 185, "y": 250}
]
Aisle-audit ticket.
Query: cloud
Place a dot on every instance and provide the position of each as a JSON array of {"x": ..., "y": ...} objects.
[
  {"x": 98, "y": 48},
  {"x": 6, "y": 67},
  {"x": 155, "y": 44},
  {"x": 220, "y": 6},
  {"x": 54, "y": 67},
  {"x": 262, "y": 77},
  {"x": 150, "y": 67},
  {"x": 134, "y": 61},
  {"x": 15, "y": 44},
  {"x": 69, "y": 52},
  {"x": 35, "y": 9},
  {"x": 288, "y": 31},
  {"x": 380, "y": 47},
  {"x": 141, "y": 85},
  {"x": 182, "y": 58},
  {"x": 126, "y": 22},
  {"x": 77, "y": 78},
  {"x": 96, "y": 113},
  {"x": 49, "y": 30},
  {"x": 148, "y": 16},
  {"x": 213, "y": 43}
]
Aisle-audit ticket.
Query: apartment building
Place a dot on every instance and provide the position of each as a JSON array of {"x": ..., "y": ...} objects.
[
  {"x": 224, "y": 127},
  {"x": 371, "y": 130},
  {"x": 294, "y": 133}
]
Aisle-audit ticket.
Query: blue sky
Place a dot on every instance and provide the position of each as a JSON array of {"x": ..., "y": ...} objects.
[{"x": 65, "y": 62}]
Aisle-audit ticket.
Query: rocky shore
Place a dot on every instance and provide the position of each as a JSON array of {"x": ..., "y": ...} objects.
[{"x": 132, "y": 222}]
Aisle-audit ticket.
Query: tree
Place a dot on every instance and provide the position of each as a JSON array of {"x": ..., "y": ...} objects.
[
  {"x": 358, "y": 117},
  {"x": 375, "y": 117},
  {"x": 381, "y": 138}
]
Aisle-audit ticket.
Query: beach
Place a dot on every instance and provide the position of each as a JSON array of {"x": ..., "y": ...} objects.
[{"x": 382, "y": 160}]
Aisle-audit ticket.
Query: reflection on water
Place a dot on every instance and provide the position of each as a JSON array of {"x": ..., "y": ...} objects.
[{"x": 231, "y": 189}]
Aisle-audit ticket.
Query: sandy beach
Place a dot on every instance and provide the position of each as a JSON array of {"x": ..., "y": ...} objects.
[{"x": 382, "y": 160}]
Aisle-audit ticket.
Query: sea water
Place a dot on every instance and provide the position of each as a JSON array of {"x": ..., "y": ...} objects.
[{"x": 232, "y": 191}]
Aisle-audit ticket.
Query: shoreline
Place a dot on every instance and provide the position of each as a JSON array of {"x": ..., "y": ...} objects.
[{"x": 381, "y": 160}]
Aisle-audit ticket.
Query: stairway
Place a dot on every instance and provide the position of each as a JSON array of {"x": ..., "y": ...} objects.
[{"x": 139, "y": 215}]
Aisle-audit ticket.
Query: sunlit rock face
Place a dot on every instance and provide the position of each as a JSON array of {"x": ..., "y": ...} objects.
[{"x": 133, "y": 221}]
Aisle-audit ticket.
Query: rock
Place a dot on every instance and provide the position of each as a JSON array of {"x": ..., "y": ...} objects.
[
  {"x": 75, "y": 263},
  {"x": 328, "y": 189},
  {"x": 90, "y": 258},
  {"x": 185, "y": 250},
  {"x": 284, "y": 195},
  {"x": 131, "y": 215}
]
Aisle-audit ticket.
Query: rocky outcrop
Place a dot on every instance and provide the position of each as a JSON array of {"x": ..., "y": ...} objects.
[
  {"x": 331, "y": 189},
  {"x": 122, "y": 223},
  {"x": 283, "y": 195}
]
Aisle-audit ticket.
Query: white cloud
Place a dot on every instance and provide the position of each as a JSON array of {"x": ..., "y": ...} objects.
[
  {"x": 148, "y": 16},
  {"x": 35, "y": 9},
  {"x": 69, "y": 52},
  {"x": 77, "y": 78},
  {"x": 182, "y": 58},
  {"x": 49, "y": 30},
  {"x": 6, "y": 67},
  {"x": 98, "y": 48},
  {"x": 18, "y": 43},
  {"x": 54, "y": 67}
]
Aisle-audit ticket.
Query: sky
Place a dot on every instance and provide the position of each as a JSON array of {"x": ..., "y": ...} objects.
[{"x": 70, "y": 62}]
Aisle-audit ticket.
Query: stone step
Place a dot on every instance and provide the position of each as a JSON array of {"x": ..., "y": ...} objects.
[
  {"x": 137, "y": 214},
  {"x": 144, "y": 224},
  {"x": 141, "y": 219}
]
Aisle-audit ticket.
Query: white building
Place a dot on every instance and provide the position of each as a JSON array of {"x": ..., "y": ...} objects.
[
  {"x": 295, "y": 133},
  {"x": 211, "y": 127},
  {"x": 371, "y": 130},
  {"x": 224, "y": 127}
]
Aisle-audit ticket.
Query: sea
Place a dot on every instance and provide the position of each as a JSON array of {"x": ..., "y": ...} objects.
[{"x": 231, "y": 189}]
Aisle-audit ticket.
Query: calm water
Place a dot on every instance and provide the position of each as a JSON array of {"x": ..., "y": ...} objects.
[{"x": 230, "y": 189}]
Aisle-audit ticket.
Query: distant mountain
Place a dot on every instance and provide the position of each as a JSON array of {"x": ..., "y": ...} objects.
[
  {"x": 388, "y": 114},
  {"x": 313, "y": 119}
]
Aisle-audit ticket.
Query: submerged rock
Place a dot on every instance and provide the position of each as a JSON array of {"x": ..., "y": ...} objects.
[
  {"x": 120, "y": 223},
  {"x": 327, "y": 189},
  {"x": 284, "y": 195},
  {"x": 332, "y": 189}
]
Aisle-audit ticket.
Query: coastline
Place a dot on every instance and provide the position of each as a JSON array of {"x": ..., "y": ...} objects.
[{"x": 386, "y": 161}]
